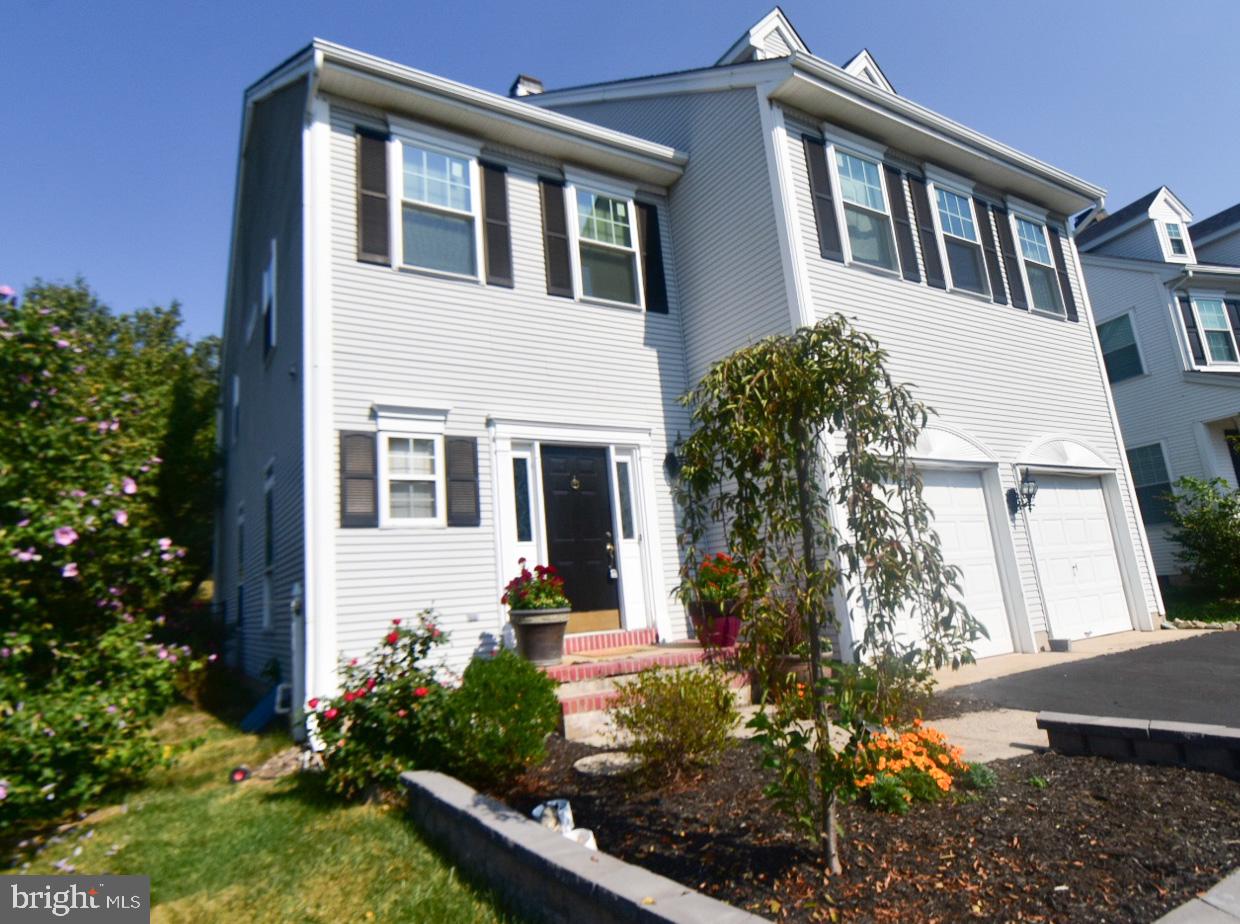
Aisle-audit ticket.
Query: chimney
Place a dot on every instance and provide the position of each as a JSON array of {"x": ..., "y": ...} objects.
[{"x": 525, "y": 85}]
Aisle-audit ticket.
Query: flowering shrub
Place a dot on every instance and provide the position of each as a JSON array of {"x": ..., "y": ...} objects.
[
  {"x": 88, "y": 562},
  {"x": 541, "y": 589},
  {"x": 897, "y": 768}
]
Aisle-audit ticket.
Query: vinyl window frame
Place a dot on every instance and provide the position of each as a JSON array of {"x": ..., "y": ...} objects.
[
  {"x": 1016, "y": 214},
  {"x": 836, "y": 145},
  {"x": 1130, "y": 314},
  {"x": 574, "y": 182},
  {"x": 386, "y": 477},
  {"x": 1136, "y": 486},
  {"x": 1194, "y": 297},
  {"x": 933, "y": 185},
  {"x": 1172, "y": 238},
  {"x": 450, "y": 145}
]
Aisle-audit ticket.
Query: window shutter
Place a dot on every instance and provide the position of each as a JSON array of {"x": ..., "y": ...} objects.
[
  {"x": 1011, "y": 263},
  {"x": 1196, "y": 347},
  {"x": 650, "y": 240},
  {"x": 904, "y": 227},
  {"x": 359, "y": 488},
  {"x": 496, "y": 239},
  {"x": 555, "y": 239},
  {"x": 1061, "y": 270},
  {"x": 986, "y": 233},
  {"x": 372, "y": 198},
  {"x": 925, "y": 231},
  {"x": 829, "y": 244},
  {"x": 461, "y": 453}
]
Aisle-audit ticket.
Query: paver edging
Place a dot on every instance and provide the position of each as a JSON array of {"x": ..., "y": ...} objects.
[{"x": 1214, "y": 748}]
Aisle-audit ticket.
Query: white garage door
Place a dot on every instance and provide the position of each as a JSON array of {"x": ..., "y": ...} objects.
[
  {"x": 961, "y": 520},
  {"x": 1076, "y": 558}
]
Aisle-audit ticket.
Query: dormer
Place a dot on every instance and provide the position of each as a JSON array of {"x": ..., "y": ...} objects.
[
  {"x": 863, "y": 65},
  {"x": 1217, "y": 239},
  {"x": 772, "y": 36},
  {"x": 1154, "y": 228}
]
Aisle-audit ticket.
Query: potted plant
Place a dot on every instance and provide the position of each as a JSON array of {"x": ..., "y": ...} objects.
[
  {"x": 712, "y": 597},
  {"x": 538, "y": 611}
]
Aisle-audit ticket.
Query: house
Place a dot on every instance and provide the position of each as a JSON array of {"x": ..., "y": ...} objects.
[
  {"x": 1166, "y": 293},
  {"x": 458, "y": 324}
]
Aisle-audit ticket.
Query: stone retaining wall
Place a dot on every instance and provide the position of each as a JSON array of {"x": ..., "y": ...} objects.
[{"x": 1180, "y": 744}]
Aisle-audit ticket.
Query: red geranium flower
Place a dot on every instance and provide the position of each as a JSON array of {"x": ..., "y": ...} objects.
[
  {"x": 393, "y": 638},
  {"x": 349, "y": 697},
  {"x": 331, "y": 713},
  {"x": 313, "y": 704},
  {"x": 420, "y": 692}
]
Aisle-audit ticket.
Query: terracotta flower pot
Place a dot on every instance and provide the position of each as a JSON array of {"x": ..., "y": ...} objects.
[
  {"x": 717, "y": 625},
  {"x": 540, "y": 634}
]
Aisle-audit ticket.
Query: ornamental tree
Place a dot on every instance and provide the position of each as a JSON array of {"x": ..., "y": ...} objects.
[{"x": 800, "y": 453}]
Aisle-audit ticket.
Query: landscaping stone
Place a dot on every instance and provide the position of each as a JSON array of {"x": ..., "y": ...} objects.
[
  {"x": 1202, "y": 624},
  {"x": 608, "y": 763}
]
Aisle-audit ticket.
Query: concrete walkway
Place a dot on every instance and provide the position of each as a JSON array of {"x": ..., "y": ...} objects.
[{"x": 1221, "y": 905}]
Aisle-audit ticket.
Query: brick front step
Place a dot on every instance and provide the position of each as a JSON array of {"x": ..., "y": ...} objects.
[
  {"x": 597, "y": 641},
  {"x": 632, "y": 662}
]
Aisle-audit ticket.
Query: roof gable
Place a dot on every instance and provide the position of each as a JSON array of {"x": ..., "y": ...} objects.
[
  {"x": 772, "y": 36},
  {"x": 863, "y": 65}
]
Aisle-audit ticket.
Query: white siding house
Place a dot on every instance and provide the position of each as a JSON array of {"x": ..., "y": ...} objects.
[
  {"x": 500, "y": 301},
  {"x": 1166, "y": 296}
]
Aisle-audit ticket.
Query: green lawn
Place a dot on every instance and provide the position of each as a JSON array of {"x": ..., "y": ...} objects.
[
  {"x": 264, "y": 851},
  {"x": 1189, "y": 603}
]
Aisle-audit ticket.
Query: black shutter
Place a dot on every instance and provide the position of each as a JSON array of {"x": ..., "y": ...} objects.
[
  {"x": 495, "y": 237},
  {"x": 462, "y": 470},
  {"x": 1011, "y": 263},
  {"x": 372, "y": 198},
  {"x": 925, "y": 231},
  {"x": 829, "y": 244},
  {"x": 1196, "y": 347},
  {"x": 904, "y": 227},
  {"x": 359, "y": 488},
  {"x": 649, "y": 239},
  {"x": 987, "y": 235},
  {"x": 1061, "y": 270},
  {"x": 555, "y": 239}
]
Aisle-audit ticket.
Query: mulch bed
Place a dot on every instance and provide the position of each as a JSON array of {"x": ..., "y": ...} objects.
[{"x": 1059, "y": 839}]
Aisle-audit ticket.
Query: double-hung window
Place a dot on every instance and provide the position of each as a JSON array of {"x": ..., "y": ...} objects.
[
  {"x": 1152, "y": 481},
  {"x": 960, "y": 238},
  {"x": 413, "y": 484},
  {"x": 1039, "y": 266},
  {"x": 1175, "y": 237},
  {"x": 866, "y": 213},
  {"x": 607, "y": 249},
  {"x": 438, "y": 210},
  {"x": 1216, "y": 329},
  {"x": 1119, "y": 349}
]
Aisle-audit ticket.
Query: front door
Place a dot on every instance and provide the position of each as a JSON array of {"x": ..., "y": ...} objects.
[{"x": 580, "y": 543}]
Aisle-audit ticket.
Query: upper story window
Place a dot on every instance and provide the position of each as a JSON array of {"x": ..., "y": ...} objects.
[
  {"x": 1153, "y": 483},
  {"x": 960, "y": 237},
  {"x": 1119, "y": 349},
  {"x": 606, "y": 247},
  {"x": 1219, "y": 337},
  {"x": 1175, "y": 237},
  {"x": 438, "y": 209},
  {"x": 865, "y": 211},
  {"x": 1039, "y": 267}
]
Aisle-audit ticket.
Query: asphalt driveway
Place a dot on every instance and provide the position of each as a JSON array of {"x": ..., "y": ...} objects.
[{"x": 1196, "y": 679}]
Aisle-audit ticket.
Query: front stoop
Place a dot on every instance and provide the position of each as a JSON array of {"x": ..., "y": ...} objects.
[{"x": 590, "y": 677}]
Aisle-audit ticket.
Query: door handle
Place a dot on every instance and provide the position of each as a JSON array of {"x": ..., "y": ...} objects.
[{"x": 611, "y": 556}]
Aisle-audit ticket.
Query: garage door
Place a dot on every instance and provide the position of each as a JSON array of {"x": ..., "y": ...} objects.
[
  {"x": 961, "y": 520},
  {"x": 1076, "y": 558}
]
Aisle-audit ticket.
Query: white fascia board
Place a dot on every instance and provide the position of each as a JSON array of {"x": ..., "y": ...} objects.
[
  {"x": 1204, "y": 275},
  {"x": 354, "y": 74},
  {"x": 741, "y": 76}
]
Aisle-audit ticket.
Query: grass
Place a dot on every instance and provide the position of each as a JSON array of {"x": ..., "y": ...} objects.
[
  {"x": 1192, "y": 603},
  {"x": 263, "y": 850}
]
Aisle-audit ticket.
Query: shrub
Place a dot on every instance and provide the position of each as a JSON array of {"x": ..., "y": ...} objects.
[
  {"x": 496, "y": 724},
  {"x": 978, "y": 777},
  {"x": 678, "y": 719},
  {"x": 889, "y": 687},
  {"x": 1206, "y": 517},
  {"x": 917, "y": 765}
]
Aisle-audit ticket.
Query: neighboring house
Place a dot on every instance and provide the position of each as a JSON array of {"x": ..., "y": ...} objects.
[
  {"x": 458, "y": 325},
  {"x": 1166, "y": 296}
]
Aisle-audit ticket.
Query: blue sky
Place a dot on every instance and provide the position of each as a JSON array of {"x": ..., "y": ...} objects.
[{"x": 120, "y": 120}]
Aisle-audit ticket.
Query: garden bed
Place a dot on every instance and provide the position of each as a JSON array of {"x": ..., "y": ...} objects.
[{"x": 1059, "y": 839}]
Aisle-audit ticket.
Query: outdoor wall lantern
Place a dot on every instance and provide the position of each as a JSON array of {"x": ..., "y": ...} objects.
[{"x": 1022, "y": 499}]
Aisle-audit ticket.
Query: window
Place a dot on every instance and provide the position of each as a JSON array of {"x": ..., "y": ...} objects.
[
  {"x": 413, "y": 478},
  {"x": 1119, "y": 349},
  {"x": 269, "y": 543},
  {"x": 521, "y": 492},
  {"x": 268, "y": 593},
  {"x": 865, "y": 211},
  {"x": 606, "y": 248},
  {"x": 1220, "y": 341},
  {"x": 1176, "y": 238},
  {"x": 269, "y": 303},
  {"x": 1039, "y": 267},
  {"x": 964, "y": 251},
  {"x": 1153, "y": 484},
  {"x": 240, "y": 542},
  {"x": 624, "y": 488},
  {"x": 437, "y": 211},
  {"x": 236, "y": 408}
]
